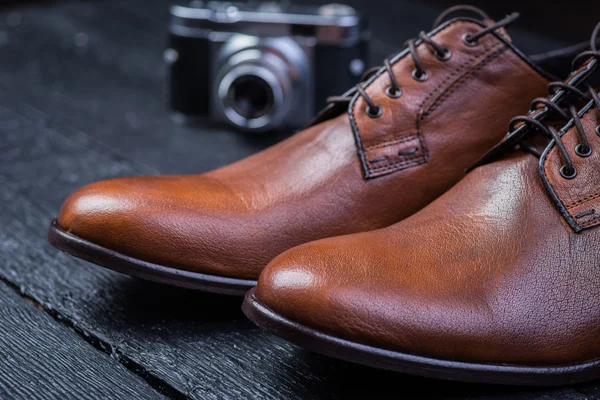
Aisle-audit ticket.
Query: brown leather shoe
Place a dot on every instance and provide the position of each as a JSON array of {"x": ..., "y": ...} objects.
[
  {"x": 496, "y": 281},
  {"x": 375, "y": 156}
]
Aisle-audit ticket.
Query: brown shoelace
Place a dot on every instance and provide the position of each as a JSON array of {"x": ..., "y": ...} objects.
[
  {"x": 566, "y": 111},
  {"x": 420, "y": 73}
]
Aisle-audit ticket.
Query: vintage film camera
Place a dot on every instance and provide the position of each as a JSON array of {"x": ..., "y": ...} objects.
[{"x": 262, "y": 66}]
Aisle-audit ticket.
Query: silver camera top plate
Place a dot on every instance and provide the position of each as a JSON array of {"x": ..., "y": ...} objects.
[{"x": 331, "y": 24}]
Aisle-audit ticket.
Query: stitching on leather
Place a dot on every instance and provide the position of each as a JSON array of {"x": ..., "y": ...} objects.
[
  {"x": 562, "y": 209},
  {"x": 591, "y": 222},
  {"x": 367, "y": 170},
  {"x": 421, "y": 114},
  {"x": 583, "y": 200},
  {"x": 356, "y": 129},
  {"x": 565, "y": 209},
  {"x": 407, "y": 138},
  {"x": 401, "y": 164},
  {"x": 404, "y": 160},
  {"x": 457, "y": 71},
  {"x": 464, "y": 79},
  {"x": 460, "y": 69}
]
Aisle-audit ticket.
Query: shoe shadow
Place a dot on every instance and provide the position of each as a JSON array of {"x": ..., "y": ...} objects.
[
  {"x": 175, "y": 316},
  {"x": 348, "y": 380},
  {"x": 143, "y": 302}
]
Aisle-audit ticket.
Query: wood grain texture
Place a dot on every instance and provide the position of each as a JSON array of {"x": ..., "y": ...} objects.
[
  {"x": 42, "y": 359},
  {"x": 81, "y": 99}
]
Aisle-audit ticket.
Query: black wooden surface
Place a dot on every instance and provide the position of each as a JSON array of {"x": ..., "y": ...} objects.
[
  {"x": 81, "y": 99},
  {"x": 40, "y": 358}
]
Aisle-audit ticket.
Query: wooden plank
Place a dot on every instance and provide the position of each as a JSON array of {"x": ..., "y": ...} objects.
[
  {"x": 42, "y": 359},
  {"x": 591, "y": 390}
]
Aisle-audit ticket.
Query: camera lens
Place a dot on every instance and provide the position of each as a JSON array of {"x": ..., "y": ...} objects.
[
  {"x": 257, "y": 87},
  {"x": 250, "y": 96}
]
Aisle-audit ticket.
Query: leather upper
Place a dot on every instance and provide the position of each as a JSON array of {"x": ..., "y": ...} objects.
[
  {"x": 396, "y": 140},
  {"x": 490, "y": 272},
  {"x": 578, "y": 199},
  {"x": 347, "y": 174}
]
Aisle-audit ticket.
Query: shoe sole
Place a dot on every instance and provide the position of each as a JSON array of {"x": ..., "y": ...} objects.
[
  {"x": 118, "y": 262},
  {"x": 331, "y": 346}
]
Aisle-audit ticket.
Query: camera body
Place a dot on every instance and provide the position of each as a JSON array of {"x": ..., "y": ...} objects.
[{"x": 262, "y": 66}]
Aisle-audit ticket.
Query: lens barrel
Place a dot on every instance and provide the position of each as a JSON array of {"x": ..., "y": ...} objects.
[
  {"x": 262, "y": 84},
  {"x": 251, "y": 97}
]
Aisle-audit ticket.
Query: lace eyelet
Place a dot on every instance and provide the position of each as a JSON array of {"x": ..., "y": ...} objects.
[
  {"x": 393, "y": 93},
  {"x": 420, "y": 78},
  {"x": 565, "y": 173},
  {"x": 466, "y": 38},
  {"x": 445, "y": 56},
  {"x": 376, "y": 113},
  {"x": 579, "y": 150},
  {"x": 598, "y": 130}
]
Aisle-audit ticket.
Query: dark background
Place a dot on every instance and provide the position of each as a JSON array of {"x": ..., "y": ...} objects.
[
  {"x": 82, "y": 98},
  {"x": 563, "y": 20}
]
